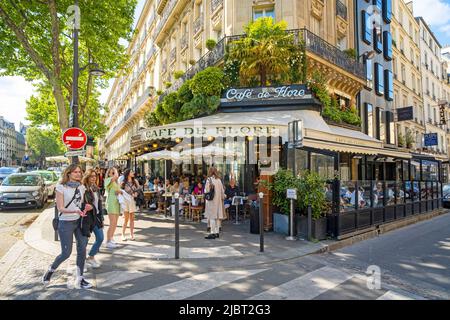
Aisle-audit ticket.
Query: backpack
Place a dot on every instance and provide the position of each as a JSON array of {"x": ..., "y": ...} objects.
[{"x": 210, "y": 195}]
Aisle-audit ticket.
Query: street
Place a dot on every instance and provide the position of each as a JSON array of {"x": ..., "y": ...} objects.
[
  {"x": 410, "y": 269},
  {"x": 13, "y": 223}
]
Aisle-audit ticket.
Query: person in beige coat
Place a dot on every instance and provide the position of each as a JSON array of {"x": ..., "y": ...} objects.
[{"x": 214, "y": 209}]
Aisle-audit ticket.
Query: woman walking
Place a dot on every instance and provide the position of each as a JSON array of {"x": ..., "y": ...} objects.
[
  {"x": 93, "y": 196},
  {"x": 71, "y": 209},
  {"x": 112, "y": 205},
  {"x": 214, "y": 208},
  {"x": 131, "y": 186}
]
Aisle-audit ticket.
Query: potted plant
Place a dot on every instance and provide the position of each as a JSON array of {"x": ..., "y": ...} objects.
[
  {"x": 409, "y": 139},
  {"x": 192, "y": 62},
  {"x": 210, "y": 44},
  {"x": 401, "y": 140},
  {"x": 167, "y": 84},
  {"x": 351, "y": 53},
  {"x": 178, "y": 74}
]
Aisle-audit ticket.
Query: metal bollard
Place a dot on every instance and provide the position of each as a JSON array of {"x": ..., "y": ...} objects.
[
  {"x": 309, "y": 222},
  {"x": 291, "y": 222},
  {"x": 177, "y": 226},
  {"x": 261, "y": 223}
]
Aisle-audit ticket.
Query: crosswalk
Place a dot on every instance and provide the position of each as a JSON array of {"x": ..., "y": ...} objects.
[{"x": 324, "y": 282}]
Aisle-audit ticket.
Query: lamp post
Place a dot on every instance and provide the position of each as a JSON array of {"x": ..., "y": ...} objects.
[
  {"x": 369, "y": 55},
  {"x": 94, "y": 71}
]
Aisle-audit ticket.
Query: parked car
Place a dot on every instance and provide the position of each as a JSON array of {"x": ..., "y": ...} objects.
[
  {"x": 446, "y": 195},
  {"x": 51, "y": 179},
  {"x": 6, "y": 171},
  {"x": 23, "y": 190}
]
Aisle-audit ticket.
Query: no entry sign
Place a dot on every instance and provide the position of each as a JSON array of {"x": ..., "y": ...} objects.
[{"x": 74, "y": 138}]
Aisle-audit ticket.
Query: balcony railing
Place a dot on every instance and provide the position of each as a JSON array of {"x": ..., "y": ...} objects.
[
  {"x": 198, "y": 24},
  {"x": 165, "y": 16},
  {"x": 341, "y": 10},
  {"x": 184, "y": 42},
  {"x": 173, "y": 55},
  {"x": 164, "y": 66},
  {"x": 313, "y": 44},
  {"x": 215, "y": 4}
]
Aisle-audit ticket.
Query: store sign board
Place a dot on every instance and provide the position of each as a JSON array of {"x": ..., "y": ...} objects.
[
  {"x": 405, "y": 114},
  {"x": 291, "y": 194},
  {"x": 263, "y": 95},
  {"x": 431, "y": 139}
]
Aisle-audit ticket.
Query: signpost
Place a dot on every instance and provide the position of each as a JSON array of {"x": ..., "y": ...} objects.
[
  {"x": 292, "y": 195},
  {"x": 405, "y": 114},
  {"x": 78, "y": 153},
  {"x": 431, "y": 139},
  {"x": 74, "y": 138}
]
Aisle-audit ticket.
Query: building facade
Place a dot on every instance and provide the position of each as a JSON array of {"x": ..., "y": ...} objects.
[
  {"x": 172, "y": 39},
  {"x": 407, "y": 75},
  {"x": 431, "y": 86},
  {"x": 8, "y": 142}
]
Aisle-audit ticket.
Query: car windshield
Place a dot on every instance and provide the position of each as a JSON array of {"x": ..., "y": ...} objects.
[
  {"x": 446, "y": 189},
  {"x": 21, "y": 181},
  {"x": 46, "y": 176},
  {"x": 7, "y": 170}
]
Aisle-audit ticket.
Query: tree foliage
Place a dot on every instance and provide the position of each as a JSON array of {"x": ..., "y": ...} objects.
[
  {"x": 36, "y": 43},
  {"x": 43, "y": 143}
]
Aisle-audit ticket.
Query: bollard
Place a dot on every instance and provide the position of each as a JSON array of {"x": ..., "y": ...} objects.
[
  {"x": 309, "y": 222},
  {"x": 56, "y": 216},
  {"x": 261, "y": 223},
  {"x": 177, "y": 226},
  {"x": 291, "y": 222}
]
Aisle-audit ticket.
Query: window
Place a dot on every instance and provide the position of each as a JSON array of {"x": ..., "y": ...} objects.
[
  {"x": 387, "y": 45},
  {"x": 389, "y": 85},
  {"x": 315, "y": 25},
  {"x": 379, "y": 124},
  {"x": 390, "y": 128},
  {"x": 264, "y": 12},
  {"x": 369, "y": 73},
  {"x": 377, "y": 39},
  {"x": 379, "y": 80},
  {"x": 366, "y": 28},
  {"x": 387, "y": 10},
  {"x": 403, "y": 71},
  {"x": 378, "y": 4},
  {"x": 369, "y": 119}
]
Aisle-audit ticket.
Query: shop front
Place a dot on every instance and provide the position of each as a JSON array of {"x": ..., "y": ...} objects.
[{"x": 247, "y": 139}]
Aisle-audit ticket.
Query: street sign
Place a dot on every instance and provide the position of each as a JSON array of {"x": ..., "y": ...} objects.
[
  {"x": 431, "y": 139},
  {"x": 291, "y": 194},
  {"x": 79, "y": 153},
  {"x": 74, "y": 138},
  {"x": 404, "y": 114}
]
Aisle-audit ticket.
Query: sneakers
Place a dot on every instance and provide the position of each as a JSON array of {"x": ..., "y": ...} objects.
[
  {"x": 217, "y": 235},
  {"x": 92, "y": 262},
  {"x": 211, "y": 236},
  {"x": 111, "y": 245},
  {"x": 81, "y": 283},
  {"x": 48, "y": 274},
  {"x": 124, "y": 238}
]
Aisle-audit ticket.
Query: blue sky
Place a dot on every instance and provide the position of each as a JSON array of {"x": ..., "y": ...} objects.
[{"x": 14, "y": 91}]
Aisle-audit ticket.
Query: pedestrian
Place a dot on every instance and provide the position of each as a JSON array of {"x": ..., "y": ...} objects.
[
  {"x": 112, "y": 205},
  {"x": 214, "y": 208},
  {"x": 130, "y": 186},
  {"x": 94, "y": 197},
  {"x": 71, "y": 209}
]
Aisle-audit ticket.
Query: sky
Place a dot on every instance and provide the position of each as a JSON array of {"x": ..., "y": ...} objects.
[{"x": 15, "y": 91}]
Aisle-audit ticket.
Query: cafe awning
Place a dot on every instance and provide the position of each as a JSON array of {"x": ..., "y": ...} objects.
[{"x": 317, "y": 133}]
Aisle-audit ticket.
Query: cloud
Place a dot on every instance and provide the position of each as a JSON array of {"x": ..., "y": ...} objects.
[
  {"x": 435, "y": 12},
  {"x": 14, "y": 92}
]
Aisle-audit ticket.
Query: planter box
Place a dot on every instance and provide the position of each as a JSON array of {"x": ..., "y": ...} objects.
[
  {"x": 319, "y": 229},
  {"x": 281, "y": 223}
]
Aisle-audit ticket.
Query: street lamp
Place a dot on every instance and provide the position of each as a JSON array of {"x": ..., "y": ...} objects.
[
  {"x": 368, "y": 55},
  {"x": 94, "y": 70}
]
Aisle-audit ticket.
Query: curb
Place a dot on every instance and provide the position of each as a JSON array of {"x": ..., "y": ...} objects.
[
  {"x": 11, "y": 257},
  {"x": 381, "y": 229}
]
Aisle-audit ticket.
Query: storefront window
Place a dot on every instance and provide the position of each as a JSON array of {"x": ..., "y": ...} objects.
[
  {"x": 430, "y": 191},
  {"x": 405, "y": 171},
  {"x": 400, "y": 193},
  {"x": 390, "y": 193},
  {"x": 430, "y": 170},
  {"x": 347, "y": 196},
  {"x": 323, "y": 165},
  {"x": 415, "y": 170},
  {"x": 423, "y": 191},
  {"x": 301, "y": 161},
  {"x": 416, "y": 191},
  {"x": 365, "y": 192},
  {"x": 344, "y": 167},
  {"x": 378, "y": 194}
]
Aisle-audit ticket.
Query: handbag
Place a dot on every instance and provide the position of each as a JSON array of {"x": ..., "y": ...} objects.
[
  {"x": 210, "y": 195},
  {"x": 55, "y": 220}
]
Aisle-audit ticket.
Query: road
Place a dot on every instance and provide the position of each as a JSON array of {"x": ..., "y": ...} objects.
[
  {"x": 13, "y": 224},
  {"x": 414, "y": 263}
]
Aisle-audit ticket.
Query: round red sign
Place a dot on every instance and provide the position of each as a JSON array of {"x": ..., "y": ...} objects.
[{"x": 74, "y": 138}]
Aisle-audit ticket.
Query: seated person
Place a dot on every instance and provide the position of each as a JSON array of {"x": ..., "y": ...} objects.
[
  {"x": 151, "y": 184},
  {"x": 231, "y": 191},
  {"x": 198, "y": 189}
]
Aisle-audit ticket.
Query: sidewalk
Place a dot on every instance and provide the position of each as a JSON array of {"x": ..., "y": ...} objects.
[{"x": 155, "y": 240}]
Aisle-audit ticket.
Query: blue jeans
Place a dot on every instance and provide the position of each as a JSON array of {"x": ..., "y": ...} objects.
[
  {"x": 98, "y": 241},
  {"x": 66, "y": 231}
]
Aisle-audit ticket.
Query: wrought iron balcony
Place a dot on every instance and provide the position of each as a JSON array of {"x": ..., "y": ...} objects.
[
  {"x": 184, "y": 42},
  {"x": 215, "y": 4},
  {"x": 313, "y": 44},
  {"x": 341, "y": 10},
  {"x": 165, "y": 16},
  {"x": 198, "y": 24}
]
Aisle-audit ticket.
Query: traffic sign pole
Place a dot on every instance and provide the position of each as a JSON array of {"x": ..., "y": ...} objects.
[{"x": 74, "y": 139}]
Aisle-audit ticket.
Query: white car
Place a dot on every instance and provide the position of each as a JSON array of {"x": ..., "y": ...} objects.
[{"x": 51, "y": 179}]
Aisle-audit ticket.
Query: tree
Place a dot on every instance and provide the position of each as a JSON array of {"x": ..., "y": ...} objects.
[
  {"x": 43, "y": 143},
  {"x": 264, "y": 52},
  {"x": 36, "y": 43}
]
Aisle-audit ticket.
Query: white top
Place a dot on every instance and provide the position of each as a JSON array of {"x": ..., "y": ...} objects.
[
  {"x": 68, "y": 194},
  {"x": 121, "y": 179}
]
